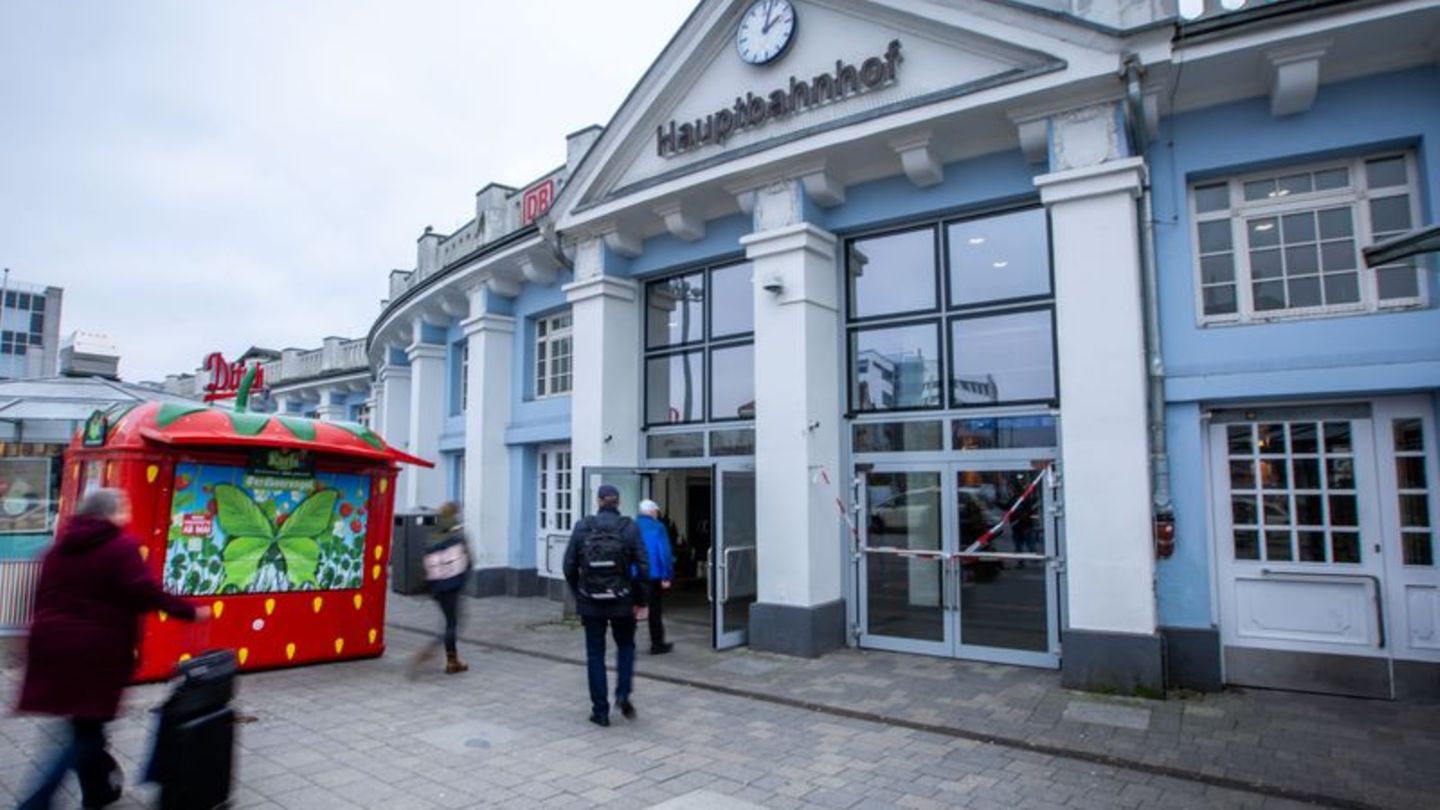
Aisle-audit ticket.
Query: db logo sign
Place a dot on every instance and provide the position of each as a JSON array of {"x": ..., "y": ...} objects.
[{"x": 536, "y": 201}]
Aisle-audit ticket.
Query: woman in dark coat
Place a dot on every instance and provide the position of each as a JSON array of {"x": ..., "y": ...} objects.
[{"x": 94, "y": 586}]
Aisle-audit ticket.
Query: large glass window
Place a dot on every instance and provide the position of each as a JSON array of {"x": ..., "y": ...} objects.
[
  {"x": 1288, "y": 243},
  {"x": 1003, "y": 358},
  {"x": 732, "y": 300},
  {"x": 675, "y": 388},
  {"x": 553, "y": 349},
  {"x": 999, "y": 343},
  {"x": 675, "y": 311},
  {"x": 892, "y": 274},
  {"x": 998, "y": 258},
  {"x": 732, "y": 382},
  {"x": 699, "y": 340},
  {"x": 895, "y": 368}
]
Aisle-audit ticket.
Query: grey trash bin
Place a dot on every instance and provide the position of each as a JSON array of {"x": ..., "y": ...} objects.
[{"x": 407, "y": 551}]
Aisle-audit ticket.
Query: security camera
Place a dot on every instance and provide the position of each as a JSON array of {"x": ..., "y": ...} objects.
[{"x": 775, "y": 285}]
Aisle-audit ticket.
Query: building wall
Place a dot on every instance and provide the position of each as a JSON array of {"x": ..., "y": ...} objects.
[{"x": 1326, "y": 357}]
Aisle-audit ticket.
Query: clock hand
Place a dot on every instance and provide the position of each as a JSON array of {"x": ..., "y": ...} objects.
[{"x": 765, "y": 29}]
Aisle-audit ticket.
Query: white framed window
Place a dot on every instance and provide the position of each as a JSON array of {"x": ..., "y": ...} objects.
[
  {"x": 552, "y": 355},
  {"x": 1286, "y": 243},
  {"x": 553, "y": 489}
]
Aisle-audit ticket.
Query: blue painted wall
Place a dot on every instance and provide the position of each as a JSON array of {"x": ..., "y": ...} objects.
[
  {"x": 664, "y": 252},
  {"x": 985, "y": 181},
  {"x": 1370, "y": 353},
  {"x": 1382, "y": 351}
]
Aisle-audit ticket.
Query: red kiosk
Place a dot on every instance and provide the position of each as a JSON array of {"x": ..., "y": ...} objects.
[{"x": 281, "y": 524}]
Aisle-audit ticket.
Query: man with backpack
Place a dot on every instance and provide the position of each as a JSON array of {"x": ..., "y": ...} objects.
[{"x": 605, "y": 566}]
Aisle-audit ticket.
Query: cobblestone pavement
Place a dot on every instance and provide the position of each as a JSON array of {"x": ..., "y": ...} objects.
[
  {"x": 512, "y": 732},
  {"x": 1357, "y": 752}
]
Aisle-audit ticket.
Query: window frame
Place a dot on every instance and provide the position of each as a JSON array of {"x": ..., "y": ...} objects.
[
  {"x": 946, "y": 311},
  {"x": 704, "y": 346},
  {"x": 548, "y": 340},
  {"x": 938, "y": 261},
  {"x": 1356, "y": 196}
]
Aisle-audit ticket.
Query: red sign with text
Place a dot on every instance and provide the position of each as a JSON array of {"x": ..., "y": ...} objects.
[
  {"x": 225, "y": 377},
  {"x": 536, "y": 201}
]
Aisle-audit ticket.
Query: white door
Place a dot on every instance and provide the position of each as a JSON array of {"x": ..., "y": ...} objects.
[
  {"x": 1405, "y": 444},
  {"x": 554, "y": 507},
  {"x": 1311, "y": 542}
]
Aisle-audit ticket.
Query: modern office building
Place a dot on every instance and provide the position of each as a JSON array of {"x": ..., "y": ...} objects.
[
  {"x": 29, "y": 330},
  {"x": 1029, "y": 332}
]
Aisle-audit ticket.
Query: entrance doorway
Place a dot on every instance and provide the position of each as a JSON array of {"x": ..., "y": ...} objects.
[
  {"x": 1325, "y": 546},
  {"x": 960, "y": 559},
  {"x": 710, "y": 514}
]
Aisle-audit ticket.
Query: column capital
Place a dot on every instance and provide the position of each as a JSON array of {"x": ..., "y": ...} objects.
[
  {"x": 621, "y": 289},
  {"x": 1125, "y": 176},
  {"x": 390, "y": 371},
  {"x": 487, "y": 322},
  {"x": 801, "y": 236},
  {"x": 417, "y": 352}
]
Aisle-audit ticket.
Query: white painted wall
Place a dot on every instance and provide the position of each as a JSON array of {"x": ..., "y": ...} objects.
[
  {"x": 487, "y": 460},
  {"x": 605, "y": 418},
  {"x": 797, "y": 420},
  {"x": 1104, "y": 447}
]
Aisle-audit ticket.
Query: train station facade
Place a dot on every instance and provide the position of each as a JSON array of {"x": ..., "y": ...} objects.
[{"x": 996, "y": 332}]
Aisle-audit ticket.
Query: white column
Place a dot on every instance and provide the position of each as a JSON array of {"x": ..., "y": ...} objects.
[
  {"x": 1104, "y": 446},
  {"x": 327, "y": 410},
  {"x": 605, "y": 420},
  {"x": 393, "y": 421},
  {"x": 426, "y": 486},
  {"x": 281, "y": 402},
  {"x": 797, "y": 430},
  {"x": 491, "y": 341}
]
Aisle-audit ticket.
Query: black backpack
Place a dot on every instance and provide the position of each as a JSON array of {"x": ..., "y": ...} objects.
[{"x": 605, "y": 562}]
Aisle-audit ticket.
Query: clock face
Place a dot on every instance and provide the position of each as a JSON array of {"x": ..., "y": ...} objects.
[{"x": 766, "y": 30}]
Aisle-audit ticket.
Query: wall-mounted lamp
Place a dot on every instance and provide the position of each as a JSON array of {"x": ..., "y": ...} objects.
[{"x": 775, "y": 285}]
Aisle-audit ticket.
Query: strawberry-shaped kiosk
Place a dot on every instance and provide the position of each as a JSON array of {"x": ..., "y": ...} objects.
[{"x": 280, "y": 523}]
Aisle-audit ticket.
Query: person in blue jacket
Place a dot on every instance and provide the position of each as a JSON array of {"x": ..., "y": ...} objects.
[{"x": 662, "y": 569}]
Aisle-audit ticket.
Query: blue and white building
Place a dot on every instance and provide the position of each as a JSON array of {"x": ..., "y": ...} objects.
[{"x": 929, "y": 325}]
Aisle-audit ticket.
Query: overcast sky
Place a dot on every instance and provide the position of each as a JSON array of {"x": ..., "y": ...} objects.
[{"x": 212, "y": 175}]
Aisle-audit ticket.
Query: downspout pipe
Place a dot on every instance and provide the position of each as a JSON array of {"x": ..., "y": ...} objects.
[{"x": 1137, "y": 131}]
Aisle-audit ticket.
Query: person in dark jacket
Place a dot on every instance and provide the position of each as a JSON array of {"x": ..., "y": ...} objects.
[
  {"x": 447, "y": 568},
  {"x": 608, "y": 592},
  {"x": 662, "y": 571},
  {"x": 93, "y": 588}
]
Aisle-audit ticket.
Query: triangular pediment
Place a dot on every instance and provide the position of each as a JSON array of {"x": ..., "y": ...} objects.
[{"x": 849, "y": 61}]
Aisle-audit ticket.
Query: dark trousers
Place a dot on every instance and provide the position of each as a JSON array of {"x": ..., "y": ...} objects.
[
  {"x": 85, "y": 754},
  {"x": 450, "y": 608},
  {"x": 655, "y": 596},
  {"x": 624, "y": 631}
]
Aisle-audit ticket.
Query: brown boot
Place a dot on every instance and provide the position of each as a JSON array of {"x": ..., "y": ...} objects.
[{"x": 453, "y": 664}]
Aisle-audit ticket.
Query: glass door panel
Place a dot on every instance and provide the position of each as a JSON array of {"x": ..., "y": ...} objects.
[
  {"x": 734, "y": 558},
  {"x": 1006, "y": 603},
  {"x": 903, "y": 575},
  {"x": 634, "y": 486}
]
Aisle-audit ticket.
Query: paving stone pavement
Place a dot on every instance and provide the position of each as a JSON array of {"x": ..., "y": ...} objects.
[
  {"x": 512, "y": 733},
  {"x": 1360, "y": 752}
]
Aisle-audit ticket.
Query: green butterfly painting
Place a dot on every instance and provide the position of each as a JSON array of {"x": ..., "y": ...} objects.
[{"x": 254, "y": 545}]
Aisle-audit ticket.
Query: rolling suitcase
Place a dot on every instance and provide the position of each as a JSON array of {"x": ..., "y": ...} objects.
[{"x": 194, "y": 752}]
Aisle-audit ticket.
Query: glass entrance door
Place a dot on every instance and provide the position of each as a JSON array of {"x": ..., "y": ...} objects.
[
  {"x": 732, "y": 559},
  {"x": 960, "y": 560}
]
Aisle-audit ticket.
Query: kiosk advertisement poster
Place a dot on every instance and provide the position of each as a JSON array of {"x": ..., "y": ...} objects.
[{"x": 274, "y": 526}]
